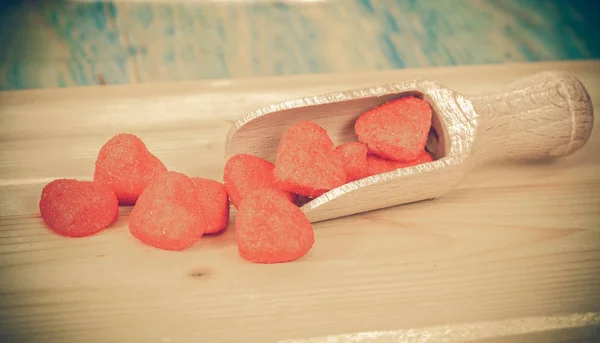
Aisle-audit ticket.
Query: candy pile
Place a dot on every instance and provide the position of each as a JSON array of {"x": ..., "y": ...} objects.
[{"x": 173, "y": 211}]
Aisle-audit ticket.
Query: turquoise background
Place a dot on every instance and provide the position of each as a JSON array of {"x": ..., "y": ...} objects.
[{"x": 61, "y": 44}]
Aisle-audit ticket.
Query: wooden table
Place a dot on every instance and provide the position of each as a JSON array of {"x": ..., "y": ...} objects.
[{"x": 514, "y": 250}]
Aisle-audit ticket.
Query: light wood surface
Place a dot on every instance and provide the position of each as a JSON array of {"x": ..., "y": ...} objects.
[
  {"x": 545, "y": 115},
  {"x": 514, "y": 249}
]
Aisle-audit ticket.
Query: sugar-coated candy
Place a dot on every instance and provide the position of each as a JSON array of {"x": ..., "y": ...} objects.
[
  {"x": 354, "y": 155},
  {"x": 126, "y": 166},
  {"x": 215, "y": 202},
  {"x": 307, "y": 162},
  {"x": 246, "y": 173},
  {"x": 396, "y": 130},
  {"x": 379, "y": 165},
  {"x": 168, "y": 214},
  {"x": 77, "y": 208},
  {"x": 271, "y": 229}
]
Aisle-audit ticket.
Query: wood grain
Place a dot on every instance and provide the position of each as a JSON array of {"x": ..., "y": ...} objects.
[
  {"x": 59, "y": 43},
  {"x": 548, "y": 115},
  {"x": 513, "y": 243}
]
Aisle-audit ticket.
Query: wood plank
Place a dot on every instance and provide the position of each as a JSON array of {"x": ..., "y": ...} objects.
[
  {"x": 515, "y": 242},
  {"x": 64, "y": 44}
]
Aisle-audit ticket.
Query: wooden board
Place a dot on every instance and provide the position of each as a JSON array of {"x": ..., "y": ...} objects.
[
  {"x": 75, "y": 43},
  {"x": 514, "y": 250}
]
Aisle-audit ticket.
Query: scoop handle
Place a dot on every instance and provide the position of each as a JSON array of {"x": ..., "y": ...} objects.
[{"x": 548, "y": 114}]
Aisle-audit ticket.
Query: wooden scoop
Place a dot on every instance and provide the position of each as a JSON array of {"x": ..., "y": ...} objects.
[{"x": 547, "y": 115}]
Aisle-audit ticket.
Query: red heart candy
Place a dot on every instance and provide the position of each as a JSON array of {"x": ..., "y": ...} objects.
[
  {"x": 246, "y": 173},
  {"x": 271, "y": 229},
  {"x": 396, "y": 130},
  {"x": 379, "y": 165},
  {"x": 126, "y": 166},
  {"x": 215, "y": 202},
  {"x": 307, "y": 162},
  {"x": 76, "y": 208},
  {"x": 354, "y": 155},
  {"x": 168, "y": 214}
]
